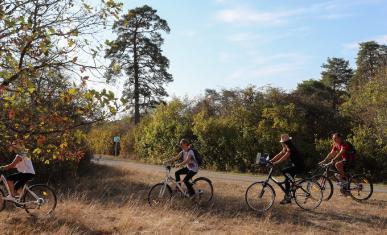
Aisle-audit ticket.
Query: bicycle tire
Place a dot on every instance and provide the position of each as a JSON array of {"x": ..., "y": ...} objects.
[
  {"x": 263, "y": 186},
  {"x": 210, "y": 189},
  {"x": 154, "y": 188},
  {"x": 43, "y": 191},
  {"x": 326, "y": 186},
  {"x": 305, "y": 193},
  {"x": 354, "y": 186},
  {"x": 3, "y": 202}
]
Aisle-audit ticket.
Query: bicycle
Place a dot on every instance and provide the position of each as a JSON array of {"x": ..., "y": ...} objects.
[
  {"x": 162, "y": 192},
  {"x": 358, "y": 186},
  {"x": 36, "y": 200},
  {"x": 260, "y": 195}
]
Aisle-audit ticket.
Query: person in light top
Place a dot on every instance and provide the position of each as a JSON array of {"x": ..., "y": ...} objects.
[{"x": 22, "y": 162}]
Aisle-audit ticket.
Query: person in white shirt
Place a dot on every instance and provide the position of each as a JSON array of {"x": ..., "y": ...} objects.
[
  {"x": 191, "y": 166},
  {"x": 22, "y": 162}
]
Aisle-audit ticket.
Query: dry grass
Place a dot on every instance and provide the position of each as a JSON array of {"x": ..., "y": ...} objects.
[{"x": 113, "y": 201}]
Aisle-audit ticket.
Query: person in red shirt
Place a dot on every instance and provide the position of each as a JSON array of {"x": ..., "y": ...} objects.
[{"x": 342, "y": 155}]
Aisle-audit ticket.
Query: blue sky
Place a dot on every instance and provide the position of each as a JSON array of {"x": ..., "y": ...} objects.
[{"x": 228, "y": 43}]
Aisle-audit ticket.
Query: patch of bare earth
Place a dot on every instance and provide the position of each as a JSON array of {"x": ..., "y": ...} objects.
[{"x": 113, "y": 201}]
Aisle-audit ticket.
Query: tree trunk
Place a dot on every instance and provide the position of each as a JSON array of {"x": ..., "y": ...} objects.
[{"x": 136, "y": 92}]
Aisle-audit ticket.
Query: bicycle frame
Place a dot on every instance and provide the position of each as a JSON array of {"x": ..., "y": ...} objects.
[
  {"x": 280, "y": 184},
  {"x": 24, "y": 191},
  {"x": 169, "y": 179}
]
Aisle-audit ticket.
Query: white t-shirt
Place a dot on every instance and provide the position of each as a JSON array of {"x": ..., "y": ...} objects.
[
  {"x": 192, "y": 165},
  {"x": 25, "y": 165}
]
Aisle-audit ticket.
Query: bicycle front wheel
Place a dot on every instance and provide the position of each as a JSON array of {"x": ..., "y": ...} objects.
[
  {"x": 308, "y": 195},
  {"x": 360, "y": 187},
  {"x": 203, "y": 189},
  {"x": 39, "y": 200},
  {"x": 159, "y": 194},
  {"x": 260, "y": 196},
  {"x": 326, "y": 186}
]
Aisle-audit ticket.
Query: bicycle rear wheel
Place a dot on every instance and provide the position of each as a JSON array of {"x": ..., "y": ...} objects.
[
  {"x": 203, "y": 189},
  {"x": 260, "y": 196},
  {"x": 2, "y": 201},
  {"x": 40, "y": 200},
  {"x": 360, "y": 187},
  {"x": 326, "y": 186},
  {"x": 159, "y": 194},
  {"x": 308, "y": 195}
]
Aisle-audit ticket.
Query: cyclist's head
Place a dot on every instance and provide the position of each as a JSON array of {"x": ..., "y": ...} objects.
[
  {"x": 184, "y": 144},
  {"x": 337, "y": 137},
  {"x": 285, "y": 138}
]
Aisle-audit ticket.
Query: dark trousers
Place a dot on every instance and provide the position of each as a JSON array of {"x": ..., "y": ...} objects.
[
  {"x": 189, "y": 174},
  {"x": 292, "y": 171},
  {"x": 20, "y": 179}
]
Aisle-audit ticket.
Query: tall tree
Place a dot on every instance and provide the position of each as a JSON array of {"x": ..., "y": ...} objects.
[
  {"x": 137, "y": 51},
  {"x": 336, "y": 75},
  {"x": 370, "y": 59}
]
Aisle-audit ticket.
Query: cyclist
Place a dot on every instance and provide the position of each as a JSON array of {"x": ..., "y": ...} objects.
[
  {"x": 342, "y": 155},
  {"x": 191, "y": 166},
  {"x": 23, "y": 164},
  {"x": 296, "y": 166}
]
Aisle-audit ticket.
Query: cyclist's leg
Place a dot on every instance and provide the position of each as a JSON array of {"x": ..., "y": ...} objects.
[
  {"x": 288, "y": 171},
  {"x": 340, "y": 168},
  {"x": 11, "y": 179},
  {"x": 24, "y": 178},
  {"x": 182, "y": 171},
  {"x": 186, "y": 180}
]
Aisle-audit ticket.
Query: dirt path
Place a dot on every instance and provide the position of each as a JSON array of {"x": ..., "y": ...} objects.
[{"x": 214, "y": 176}]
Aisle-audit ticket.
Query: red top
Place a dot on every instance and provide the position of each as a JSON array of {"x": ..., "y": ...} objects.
[{"x": 346, "y": 155}]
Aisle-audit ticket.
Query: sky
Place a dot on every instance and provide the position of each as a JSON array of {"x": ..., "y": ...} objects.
[{"x": 220, "y": 44}]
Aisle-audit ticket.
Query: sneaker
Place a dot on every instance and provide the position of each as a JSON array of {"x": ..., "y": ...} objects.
[
  {"x": 344, "y": 192},
  {"x": 10, "y": 198},
  {"x": 286, "y": 200},
  {"x": 192, "y": 197}
]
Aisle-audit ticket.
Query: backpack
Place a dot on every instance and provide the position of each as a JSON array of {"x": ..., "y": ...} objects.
[
  {"x": 352, "y": 150},
  {"x": 198, "y": 157}
]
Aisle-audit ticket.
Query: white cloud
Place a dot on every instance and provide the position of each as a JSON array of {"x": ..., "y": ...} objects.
[
  {"x": 382, "y": 39},
  {"x": 329, "y": 10},
  {"x": 245, "y": 15}
]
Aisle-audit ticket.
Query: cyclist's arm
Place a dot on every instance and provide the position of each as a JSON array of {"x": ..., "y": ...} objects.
[
  {"x": 174, "y": 159},
  {"x": 329, "y": 156},
  {"x": 185, "y": 161},
  {"x": 279, "y": 155},
  {"x": 342, "y": 151},
  {"x": 13, "y": 163},
  {"x": 283, "y": 158}
]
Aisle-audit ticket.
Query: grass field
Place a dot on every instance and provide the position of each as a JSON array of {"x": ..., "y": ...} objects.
[{"x": 108, "y": 200}]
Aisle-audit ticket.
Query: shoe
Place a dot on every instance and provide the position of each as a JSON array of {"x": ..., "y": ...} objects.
[
  {"x": 286, "y": 200},
  {"x": 10, "y": 198},
  {"x": 192, "y": 197},
  {"x": 344, "y": 192}
]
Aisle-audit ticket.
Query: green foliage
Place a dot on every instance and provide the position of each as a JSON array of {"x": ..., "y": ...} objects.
[{"x": 157, "y": 136}]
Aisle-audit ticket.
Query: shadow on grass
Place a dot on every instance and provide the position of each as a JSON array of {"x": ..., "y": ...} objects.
[{"x": 112, "y": 186}]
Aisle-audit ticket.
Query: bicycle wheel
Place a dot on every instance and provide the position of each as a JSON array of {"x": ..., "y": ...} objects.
[
  {"x": 2, "y": 201},
  {"x": 159, "y": 194},
  {"x": 40, "y": 200},
  {"x": 203, "y": 189},
  {"x": 260, "y": 196},
  {"x": 308, "y": 194},
  {"x": 326, "y": 186},
  {"x": 360, "y": 187}
]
